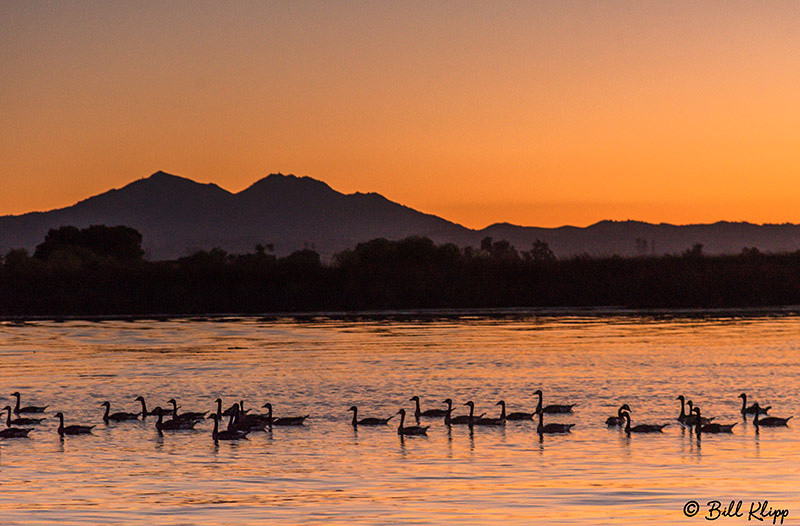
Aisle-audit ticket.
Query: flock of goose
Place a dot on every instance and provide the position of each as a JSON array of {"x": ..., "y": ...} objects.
[{"x": 242, "y": 421}]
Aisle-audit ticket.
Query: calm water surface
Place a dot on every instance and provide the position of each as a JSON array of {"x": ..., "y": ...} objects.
[{"x": 328, "y": 473}]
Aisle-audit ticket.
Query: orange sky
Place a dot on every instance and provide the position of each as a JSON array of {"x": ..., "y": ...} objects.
[{"x": 536, "y": 113}]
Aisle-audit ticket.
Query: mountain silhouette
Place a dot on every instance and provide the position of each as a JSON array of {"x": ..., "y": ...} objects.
[{"x": 177, "y": 216}]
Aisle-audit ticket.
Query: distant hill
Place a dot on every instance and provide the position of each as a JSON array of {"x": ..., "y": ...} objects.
[{"x": 178, "y": 216}]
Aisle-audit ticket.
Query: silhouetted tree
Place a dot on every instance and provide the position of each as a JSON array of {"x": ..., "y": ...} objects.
[
  {"x": 119, "y": 242},
  {"x": 539, "y": 252},
  {"x": 695, "y": 252}
]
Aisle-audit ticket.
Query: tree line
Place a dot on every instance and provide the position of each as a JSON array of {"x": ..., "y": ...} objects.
[{"x": 101, "y": 271}]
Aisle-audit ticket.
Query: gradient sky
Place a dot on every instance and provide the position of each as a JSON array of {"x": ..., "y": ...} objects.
[{"x": 536, "y": 113}]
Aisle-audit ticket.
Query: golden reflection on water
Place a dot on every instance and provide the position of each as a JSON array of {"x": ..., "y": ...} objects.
[{"x": 327, "y": 471}]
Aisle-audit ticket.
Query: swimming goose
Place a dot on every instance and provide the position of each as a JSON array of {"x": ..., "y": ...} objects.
[
  {"x": 683, "y": 416},
  {"x": 145, "y": 412},
  {"x": 229, "y": 411},
  {"x": 692, "y": 420},
  {"x": 244, "y": 422},
  {"x": 285, "y": 420},
  {"x": 15, "y": 432},
  {"x": 770, "y": 421},
  {"x": 617, "y": 421},
  {"x": 73, "y": 429},
  {"x": 172, "y": 425},
  {"x": 500, "y": 421},
  {"x": 752, "y": 409},
  {"x": 229, "y": 434},
  {"x": 463, "y": 419},
  {"x": 551, "y": 428},
  {"x": 428, "y": 413},
  {"x": 219, "y": 412},
  {"x": 410, "y": 430},
  {"x": 20, "y": 421},
  {"x": 27, "y": 409},
  {"x": 641, "y": 428},
  {"x": 520, "y": 415},
  {"x": 246, "y": 412},
  {"x": 117, "y": 417},
  {"x": 553, "y": 408},
  {"x": 449, "y": 411},
  {"x": 188, "y": 415},
  {"x": 368, "y": 421},
  {"x": 711, "y": 428}
]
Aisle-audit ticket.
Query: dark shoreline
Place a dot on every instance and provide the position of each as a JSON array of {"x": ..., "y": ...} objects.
[
  {"x": 413, "y": 277},
  {"x": 437, "y": 314}
]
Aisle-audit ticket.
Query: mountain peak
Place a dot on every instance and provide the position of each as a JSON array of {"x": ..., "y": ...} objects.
[
  {"x": 164, "y": 177},
  {"x": 288, "y": 184}
]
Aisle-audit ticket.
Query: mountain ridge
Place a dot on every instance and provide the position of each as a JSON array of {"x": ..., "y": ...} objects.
[{"x": 178, "y": 216}]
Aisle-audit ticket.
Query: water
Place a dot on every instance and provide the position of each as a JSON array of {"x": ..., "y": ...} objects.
[{"x": 326, "y": 472}]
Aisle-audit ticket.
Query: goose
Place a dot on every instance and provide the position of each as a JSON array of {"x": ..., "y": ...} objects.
[
  {"x": 752, "y": 409},
  {"x": 15, "y": 432},
  {"x": 463, "y": 419},
  {"x": 145, "y": 412},
  {"x": 285, "y": 420},
  {"x": 117, "y": 417},
  {"x": 770, "y": 421},
  {"x": 172, "y": 425},
  {"x": 20, "y": 421},
  {"x": 428, "y": 413},
  {"x": 27, "y": 409},
  {"x": 188, "y": 415},
  {"x": 641, "y": 428},
  {"x": 551, "y": 428},
  {"x": 500, "y": 421},
  {"x": 617, "y": 421},
  {"x": 711, "y": 428},
  {"x": 244, "y": 422},
  {"x": 683, "y": 416},
  {"x": 246, "y": 412},
  {"x": 692, "y": 420},
  {"x": 73, "y": 429},
  {"x": 368, "y": 421},
  {"x": 447, "y": 416},
  {"x": 229, "y": 411},
  {"x": 229, "y": 434},
  {"x": 410, "y": 430},
  {"x": 553, "y": 408},
  {"x": 219, "y": 412},
  {"x": 520, "y": 415}
]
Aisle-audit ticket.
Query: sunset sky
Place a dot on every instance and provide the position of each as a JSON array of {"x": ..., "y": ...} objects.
[{"x": 535, "y": 113}]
